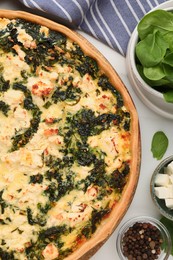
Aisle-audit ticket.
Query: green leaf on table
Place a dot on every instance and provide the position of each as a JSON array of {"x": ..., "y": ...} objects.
[
  {"x": 169, "y": 225},
  {"x": 159, "y": 145}
]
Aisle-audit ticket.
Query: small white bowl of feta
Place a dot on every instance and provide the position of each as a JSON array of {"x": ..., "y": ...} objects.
[{"x": 162, "y": 187}]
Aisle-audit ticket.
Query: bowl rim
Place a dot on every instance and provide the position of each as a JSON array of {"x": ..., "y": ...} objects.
[
  {"x": 144, "y": 218},
  {"x": 162, "y": 164}
]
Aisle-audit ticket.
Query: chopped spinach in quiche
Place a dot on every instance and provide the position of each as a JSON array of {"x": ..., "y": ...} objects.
[{"x": 65, "y": 143}]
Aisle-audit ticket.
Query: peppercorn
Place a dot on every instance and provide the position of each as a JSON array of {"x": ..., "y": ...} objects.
[{"x": 142, "y": 241}]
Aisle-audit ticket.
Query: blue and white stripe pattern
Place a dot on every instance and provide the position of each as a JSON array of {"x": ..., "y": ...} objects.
[{"x": 111, "y": 21}]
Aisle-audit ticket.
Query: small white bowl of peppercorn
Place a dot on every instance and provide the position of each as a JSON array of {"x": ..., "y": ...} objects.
[{"x": 143, "y": 238}]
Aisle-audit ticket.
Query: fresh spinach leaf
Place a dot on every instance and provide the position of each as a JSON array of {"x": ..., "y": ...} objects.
[
  {"x": 168, "y": 73},
  {"x": 168, "y": 36},
  {"x": 168, "y": 59},
  {"x": 154, "y": 73},
  {"x": 168, "y": 96},
  {"x": 152, "y": 49},
  {"x": 152, "y": 83},
  {"x": 159, "y": 145},
  {"x": 157, "y": 20}
]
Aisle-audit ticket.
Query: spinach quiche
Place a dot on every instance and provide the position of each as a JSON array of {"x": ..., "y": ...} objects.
[{"x": 69, "y": 138}]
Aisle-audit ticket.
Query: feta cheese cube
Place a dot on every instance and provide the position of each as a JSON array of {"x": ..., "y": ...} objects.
[
  {"x": 169, "y": 169},
  {"x": 162, "y": 192},
  {"x": 164, "y": 185},
  {"x": 162, "y": 179},
  {"x": 170, "y": 187},
  {"x": 169, "y": 203}
]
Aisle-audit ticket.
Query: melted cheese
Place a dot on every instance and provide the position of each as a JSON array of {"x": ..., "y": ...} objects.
[
  {"x": 9, "y": 60},
  {"x": 3, "y": 23},
  {"x": 26, "y": 39}
]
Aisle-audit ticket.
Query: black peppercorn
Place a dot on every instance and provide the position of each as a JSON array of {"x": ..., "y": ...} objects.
[{"x": 142, "y": 241}]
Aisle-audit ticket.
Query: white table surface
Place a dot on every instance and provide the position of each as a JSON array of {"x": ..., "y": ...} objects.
[{"x": 149, "y": 123}]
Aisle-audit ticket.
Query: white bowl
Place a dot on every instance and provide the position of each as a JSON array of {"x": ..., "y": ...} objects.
[
  {"x": 165, "y": 236},
  {"x": 149, "y": 96}
]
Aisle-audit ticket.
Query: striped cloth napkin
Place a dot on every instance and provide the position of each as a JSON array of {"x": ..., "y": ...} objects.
[{"x": 111, "y": 21}]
